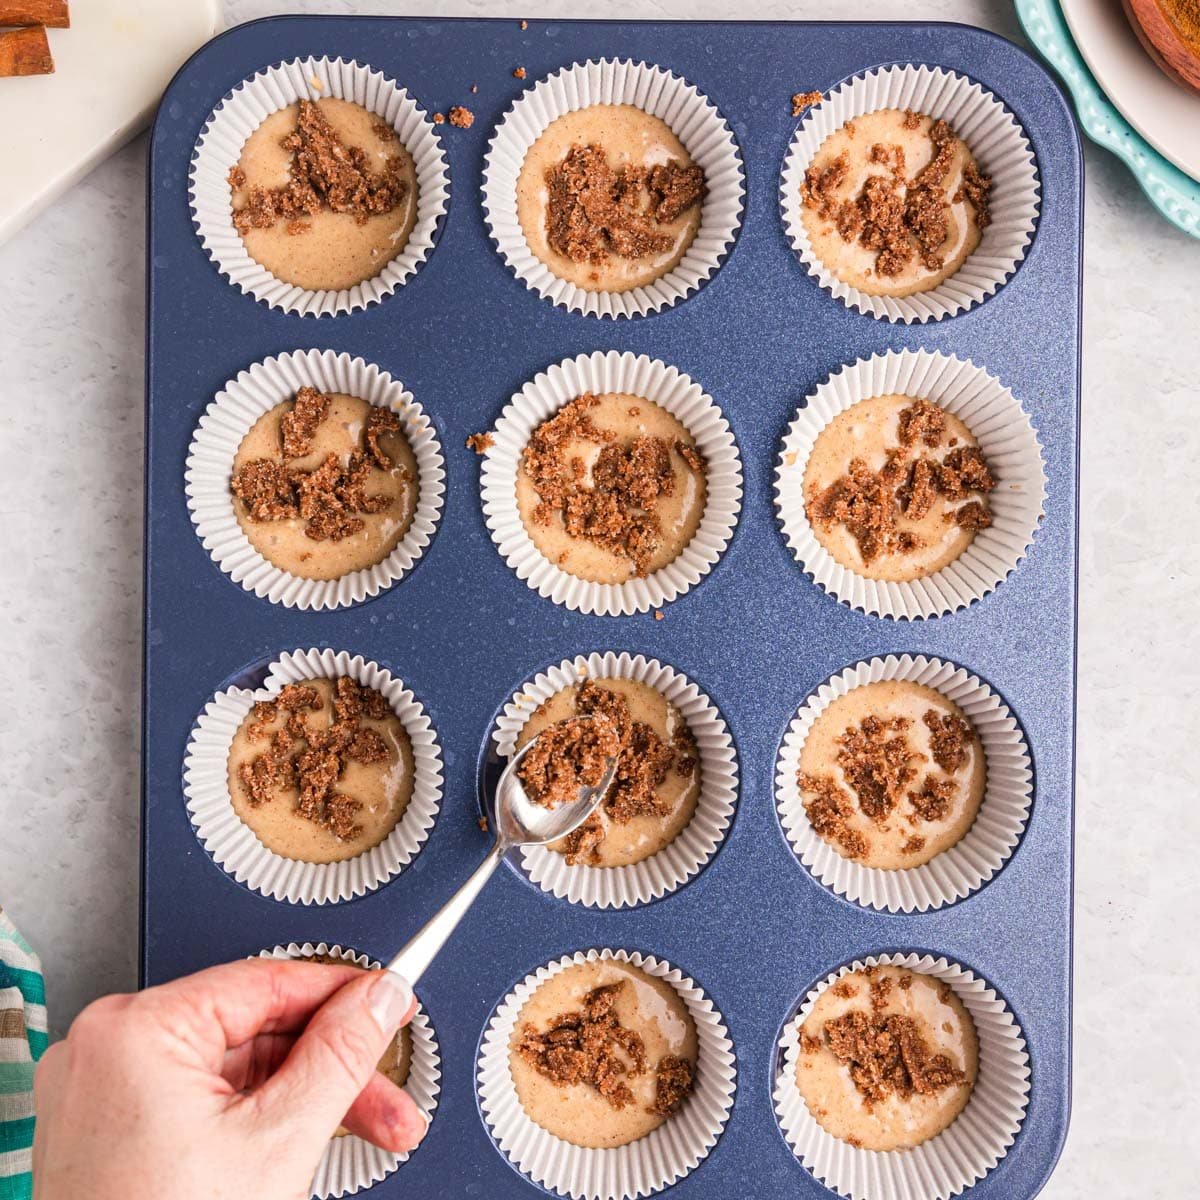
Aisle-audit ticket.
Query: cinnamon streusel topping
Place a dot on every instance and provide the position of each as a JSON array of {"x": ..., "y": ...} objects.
[
  {"x": 312, "y": 760},
  {"x": 324, "y": 173},
  {"x": 592, "y": 1047},
  {"x": 595, "y": 210}
]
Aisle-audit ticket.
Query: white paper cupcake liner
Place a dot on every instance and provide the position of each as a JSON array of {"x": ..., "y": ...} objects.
[
  {"x": 1008, "y": 441},
  {"x": 994, "y": 138},
  {"x": 229, "y": 417},
  {"x": 984, "y": 848},
  {"x": 603, "y": 372},
  {"x": 690, "y": 851},
  {"x": 241, "y": 112},
  {"x": 695, "y": 121},
  {"x": 641, "y": 1168},
  {"x": 232, "y": 844},
  {"x": 350, "y": 1164},
  {"x": 962, "y": 1153}
]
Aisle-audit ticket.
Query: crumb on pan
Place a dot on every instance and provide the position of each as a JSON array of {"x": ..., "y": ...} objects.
[{"x": 802, "y": 101}]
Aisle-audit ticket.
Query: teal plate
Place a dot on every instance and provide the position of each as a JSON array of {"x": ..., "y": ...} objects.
[{"x": 1174, "y": 194}]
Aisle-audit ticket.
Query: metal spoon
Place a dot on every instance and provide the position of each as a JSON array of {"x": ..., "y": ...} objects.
[{"x": 520, "y": 821}]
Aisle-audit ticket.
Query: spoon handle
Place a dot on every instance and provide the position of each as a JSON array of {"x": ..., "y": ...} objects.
[{"x": 421, "y": 950}]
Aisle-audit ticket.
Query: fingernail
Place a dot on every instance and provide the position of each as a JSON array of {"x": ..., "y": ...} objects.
[
  {"x": 390, "y": 999},
  {"x": 420, "y": 1128},
  {"x": 409, "y": 1128}
]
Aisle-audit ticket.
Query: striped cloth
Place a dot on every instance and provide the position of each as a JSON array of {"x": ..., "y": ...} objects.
[{"x": 22, "y": 1040}]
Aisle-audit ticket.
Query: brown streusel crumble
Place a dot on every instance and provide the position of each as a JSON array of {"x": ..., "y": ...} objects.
[
  {"x": 595, "y": 210},
  {"x": 645, "y": 762},
  {"x": 481, "y": 443},
  {"x": 876, "y": 761},
  {"x": 324, "y": 173},
  {"x": 949, "y": 737},
  {"x": 878, "y": 766},
  {"x": 896, "y": 217},
  {"x": 881, "y": 989},
  {"x": 312, "y": 760},
  {"x": 933, "y": 801},
  {"x": 828, "y": 808},
  {"x": 461, "y": 118},
  {"x": 802, "y": 101},
  {"x": 566, "y": 757},
  {"x": 888, "y": 1055},
  {"x": 868, "y": 502},
  {"x": 591, "y": 1046},
  {"x": 617, "y": 510},
  {"x": 330, "y": 499}
]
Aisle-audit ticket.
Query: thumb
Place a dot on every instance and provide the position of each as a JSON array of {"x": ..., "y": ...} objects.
[{"x": 335, "y": 1057}]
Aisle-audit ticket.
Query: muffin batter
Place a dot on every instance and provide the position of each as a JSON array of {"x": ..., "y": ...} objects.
[
  {"x": 333, "y": 542},
  {"x": 654, "y": 794},
  {"x": 618, "y": 1086},
  {"x": 665, "y": 208},
  {"x": 888, "y": 1058},
  {"x": 896, "y": 488},
  {"x": 322, "y": 772},
  {"x": 894, "y": 203},
  {"x": 892, "y": 774},
  {"x": 611, "y": 487},
  {"x": 351, "y": 203}
]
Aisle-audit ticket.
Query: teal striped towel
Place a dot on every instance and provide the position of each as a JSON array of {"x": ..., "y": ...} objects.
[{"x": 22, "y": 1040}]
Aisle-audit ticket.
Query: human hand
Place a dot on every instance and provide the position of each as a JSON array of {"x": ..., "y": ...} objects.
[{"x": 223, "y": 1085}]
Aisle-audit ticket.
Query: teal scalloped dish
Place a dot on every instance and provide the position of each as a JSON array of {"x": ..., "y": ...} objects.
[{"x": 1174, "y": 194}]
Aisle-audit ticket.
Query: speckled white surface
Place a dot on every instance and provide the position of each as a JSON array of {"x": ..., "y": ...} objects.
[{"x": 71, "y": 316}]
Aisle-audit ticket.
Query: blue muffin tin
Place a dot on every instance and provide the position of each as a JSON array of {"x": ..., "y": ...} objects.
[{"x": 754, "y": 929}]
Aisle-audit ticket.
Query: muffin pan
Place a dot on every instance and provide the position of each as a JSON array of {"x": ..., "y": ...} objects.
[{"x": 754, "y": 929}]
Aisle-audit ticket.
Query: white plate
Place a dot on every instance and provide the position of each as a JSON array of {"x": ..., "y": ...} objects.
[
  {"x": 1166, "y": 115},
  {"x": 110, "y": 68}
]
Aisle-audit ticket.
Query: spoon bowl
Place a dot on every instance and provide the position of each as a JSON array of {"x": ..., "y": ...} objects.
[
  {"x": 522, "y": 821},
  {"x": 519, "y": 821}
]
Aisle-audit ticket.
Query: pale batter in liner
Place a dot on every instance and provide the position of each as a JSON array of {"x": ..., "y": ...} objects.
[
  {"x": 896, "y": 1122},
  {"x": 630, "y": 136},
  {"x": 637, "y": 839},
  {"x": 285, "y": 543},
  {"x": 578, "y": 1113},
  {"x": 867, "y": 430},
  {"x": 383, "y": 789},
  {"x": 628, "y": 417},
  {"x": 856, "y": 264},
  {"x": 887, "y": 841},
  {"x": 336, "y": 251}
]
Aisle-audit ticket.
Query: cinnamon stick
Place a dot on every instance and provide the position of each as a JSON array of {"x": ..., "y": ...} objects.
[
  {"x": 52, "y": 13},
  {"x": 25, "y": 52}
]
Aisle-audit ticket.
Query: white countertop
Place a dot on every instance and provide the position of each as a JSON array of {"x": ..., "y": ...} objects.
[{"x": 71, "y": 331}]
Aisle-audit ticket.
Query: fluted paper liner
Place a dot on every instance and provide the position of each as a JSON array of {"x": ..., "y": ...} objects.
[
  {"x": 641, "y": 1168},
  {"x": 961, "y": 1154},
  {"x": 226, "y": 421},
  {"x": 1008, "y": 441},
  {"x": 241, "y": 112},
  {"x": 637, "y": 375},
  {"x": 995, "y": 139},
  {"x": 350, "y": 1164},
  {"x": 690, "y": 851},
  {"x": 962, "y": 868},
  {"x": 232, "y": 844},
  {"x": 695, "y": 121}
]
